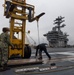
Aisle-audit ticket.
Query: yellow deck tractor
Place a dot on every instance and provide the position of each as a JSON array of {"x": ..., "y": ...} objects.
[{"x": 18, "y": 12}]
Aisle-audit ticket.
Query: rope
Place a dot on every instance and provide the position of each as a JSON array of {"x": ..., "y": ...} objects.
[
  {"x": 38, "y": 33},
  {"x": 32, "y": 39}
]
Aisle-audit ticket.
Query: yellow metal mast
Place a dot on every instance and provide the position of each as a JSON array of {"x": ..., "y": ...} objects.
[{"x": 17, "y": 12}]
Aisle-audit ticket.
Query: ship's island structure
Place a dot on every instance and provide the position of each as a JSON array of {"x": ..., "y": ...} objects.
[{"x": 56, "y": 37}]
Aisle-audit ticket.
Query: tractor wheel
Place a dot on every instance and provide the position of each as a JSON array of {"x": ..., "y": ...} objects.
[{"x": 27, "y": 52}]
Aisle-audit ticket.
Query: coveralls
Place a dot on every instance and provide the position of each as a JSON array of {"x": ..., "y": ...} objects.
[
  {"x": 41, "y": 47},
  {"x": 4, "y": 44}
]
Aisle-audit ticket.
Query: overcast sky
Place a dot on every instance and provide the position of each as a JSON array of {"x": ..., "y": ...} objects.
[{"x": 52, "y": 9}]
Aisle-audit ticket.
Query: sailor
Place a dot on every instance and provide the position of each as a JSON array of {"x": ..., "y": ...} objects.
[
  {"x": 9, "y": 7},
  {"x": 40, "y": 48},
  {"x": 4, "y": 45}
]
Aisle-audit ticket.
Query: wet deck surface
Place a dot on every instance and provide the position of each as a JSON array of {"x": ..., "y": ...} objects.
[
  {"x": 24, "y": 62},
  {"x": 64, "y": 61}
]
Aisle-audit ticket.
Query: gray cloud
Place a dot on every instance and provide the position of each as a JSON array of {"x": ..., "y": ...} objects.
[{"x": 53, "y": 9}]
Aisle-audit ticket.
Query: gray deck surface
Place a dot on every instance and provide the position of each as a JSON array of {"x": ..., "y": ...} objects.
[{"x": 62, "y": 57}]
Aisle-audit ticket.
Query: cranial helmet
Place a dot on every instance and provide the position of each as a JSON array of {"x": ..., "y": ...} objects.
[{"x": 5, "y": 29}]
